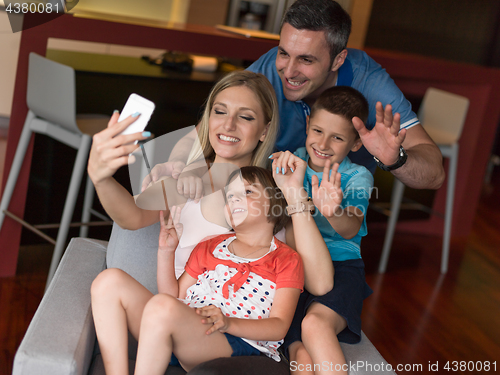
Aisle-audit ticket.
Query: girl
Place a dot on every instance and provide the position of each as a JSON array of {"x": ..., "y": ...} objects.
[{"x": 238, "y": 293}]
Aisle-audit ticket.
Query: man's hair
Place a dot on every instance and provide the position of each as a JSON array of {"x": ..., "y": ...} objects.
[
  {"x": 277, "y": 203},
  {"x": 321, "y": 15},
  {"x": 343, "y": 101}
]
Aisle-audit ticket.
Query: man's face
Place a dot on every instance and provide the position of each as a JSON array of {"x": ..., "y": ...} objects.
[{"x": 303, "y": 63}]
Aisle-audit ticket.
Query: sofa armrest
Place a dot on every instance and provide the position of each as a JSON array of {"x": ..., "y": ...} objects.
[{"x": 61, "y": 337}]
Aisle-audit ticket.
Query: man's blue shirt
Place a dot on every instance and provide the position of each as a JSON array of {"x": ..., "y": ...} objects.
[{"x": 358, "y": 71}]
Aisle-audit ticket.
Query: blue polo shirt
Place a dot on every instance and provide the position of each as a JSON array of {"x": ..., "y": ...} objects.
[
  {"x": 356, "y": 185},
  {"x": 359, "y": 71}
]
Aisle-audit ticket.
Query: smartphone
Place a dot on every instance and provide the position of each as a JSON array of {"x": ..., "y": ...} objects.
[{"x": 137, "y": 103}]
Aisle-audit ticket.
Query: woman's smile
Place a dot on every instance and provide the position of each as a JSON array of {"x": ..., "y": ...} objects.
[{"x": 227, "y": 138}]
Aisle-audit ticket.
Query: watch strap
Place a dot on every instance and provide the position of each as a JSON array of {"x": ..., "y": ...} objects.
[
  {"x": 301, "y": 207},
  {"x": 403, "y": 156}
]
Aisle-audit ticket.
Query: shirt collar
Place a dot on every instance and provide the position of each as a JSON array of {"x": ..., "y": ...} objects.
[{"x": 345, "y": 74}]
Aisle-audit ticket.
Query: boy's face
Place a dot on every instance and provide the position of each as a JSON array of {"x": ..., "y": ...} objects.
[{"x": 329, "y": 137}]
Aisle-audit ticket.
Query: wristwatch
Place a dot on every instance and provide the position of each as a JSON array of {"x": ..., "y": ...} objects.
[
  {"x": 301, "y": 207},
  {"x": 399, "y": 163}
]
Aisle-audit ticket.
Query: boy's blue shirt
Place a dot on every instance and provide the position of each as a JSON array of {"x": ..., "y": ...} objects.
[{"x": 356, "y": 185}]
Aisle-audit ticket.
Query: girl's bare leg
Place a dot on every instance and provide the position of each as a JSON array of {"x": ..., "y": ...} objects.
[
  {"x": 118, "y": 301},
  {"x": 320, "y": 328},
  {"x": 300, "y": 360},
  {"x": 169, "y": 325}
]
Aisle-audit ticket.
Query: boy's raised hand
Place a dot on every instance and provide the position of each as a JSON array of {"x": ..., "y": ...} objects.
[
  {"x": 213, "y": 315},
  {"x": 327, "y": 196},
  {"x": 384, "y": 140},
  {"x": 171, "y": 231}
]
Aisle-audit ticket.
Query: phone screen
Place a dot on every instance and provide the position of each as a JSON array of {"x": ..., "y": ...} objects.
[{"x": 136, "y": 103}]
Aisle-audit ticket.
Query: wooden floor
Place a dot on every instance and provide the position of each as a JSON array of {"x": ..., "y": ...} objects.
[{"x": 416, "y": 316}]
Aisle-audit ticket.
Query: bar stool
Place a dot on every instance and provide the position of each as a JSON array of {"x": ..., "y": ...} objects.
[
  {"x": 442, "y": 115},
  {"x": 51, "y": 102}
]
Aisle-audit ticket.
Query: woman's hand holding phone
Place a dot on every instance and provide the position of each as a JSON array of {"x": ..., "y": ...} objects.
[
  {"x": 139, "y": 107},
  {"x": 111, "y": 149}
]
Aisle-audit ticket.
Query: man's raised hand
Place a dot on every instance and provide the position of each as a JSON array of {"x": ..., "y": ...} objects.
[{"x": 384, "y": 140}]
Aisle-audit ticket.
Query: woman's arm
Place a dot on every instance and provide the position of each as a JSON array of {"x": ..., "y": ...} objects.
[
  {"x": 120, "y": 206},
  {"x": 109, "y": 152},
  {"x": 273, "y": 328}
]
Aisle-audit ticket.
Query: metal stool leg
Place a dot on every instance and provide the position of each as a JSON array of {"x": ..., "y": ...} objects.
[
  {"x": 17, "y": 163},
  {"x": 87, "y": 206},
  {"x": 450, "y": 193},
  {"x": 397, "y": 196},
  {"x": 76, "y": 179}
]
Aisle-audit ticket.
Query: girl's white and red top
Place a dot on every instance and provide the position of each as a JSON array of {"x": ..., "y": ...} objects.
[{"x": 242, "y": 288}]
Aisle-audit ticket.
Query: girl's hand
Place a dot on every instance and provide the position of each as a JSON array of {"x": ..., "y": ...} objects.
[
  {"x": 213, "y": 315},
  {"x": 170, "y": 232},
  {"x": 111, "y": 151},
  {"x": 328, "y": 196},
  {"x": 288, "y": 171}
]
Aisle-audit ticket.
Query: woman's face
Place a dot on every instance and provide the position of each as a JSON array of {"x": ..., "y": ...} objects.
[{"x": 236, "y": 125}]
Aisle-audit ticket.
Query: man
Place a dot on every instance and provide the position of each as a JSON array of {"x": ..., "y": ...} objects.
[{"x": 312, "y": 57}]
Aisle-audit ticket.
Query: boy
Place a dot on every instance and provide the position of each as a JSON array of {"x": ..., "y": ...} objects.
[{"x": 321, "y": 321}]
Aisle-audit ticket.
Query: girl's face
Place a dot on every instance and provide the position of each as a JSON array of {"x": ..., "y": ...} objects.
[
  {"x": 236, "y": 125},
  {"x": 247, "y": 203}
]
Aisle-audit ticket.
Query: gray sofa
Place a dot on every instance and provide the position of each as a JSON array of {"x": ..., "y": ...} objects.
[{"x": 61, "y": 337}]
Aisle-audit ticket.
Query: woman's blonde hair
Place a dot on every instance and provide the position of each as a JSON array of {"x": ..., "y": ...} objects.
[{"x": 264, "y": 92}]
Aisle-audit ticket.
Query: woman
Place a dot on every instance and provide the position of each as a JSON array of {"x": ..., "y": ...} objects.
[{"x": 239, "y": 127}]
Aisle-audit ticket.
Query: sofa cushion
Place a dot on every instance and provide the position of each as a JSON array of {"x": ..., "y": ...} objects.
[{"x": 135, "y": 252}]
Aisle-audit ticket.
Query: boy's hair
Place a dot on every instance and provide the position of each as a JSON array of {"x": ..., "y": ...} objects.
[
  {"x": 343, "y": 101},
  {"x": 277, "y": 208},
  {"x": 321, "y": 15}
]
